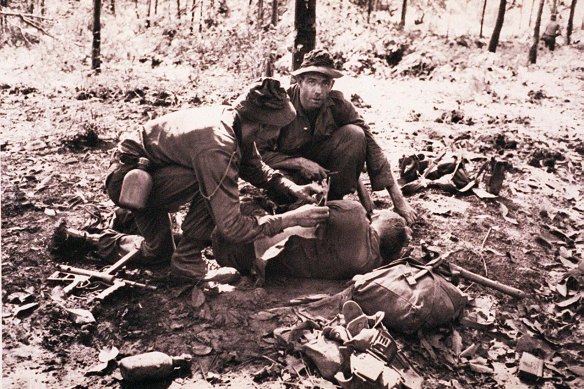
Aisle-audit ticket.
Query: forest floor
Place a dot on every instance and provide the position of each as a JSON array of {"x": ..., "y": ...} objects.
[{"x": 56, "y": 141}]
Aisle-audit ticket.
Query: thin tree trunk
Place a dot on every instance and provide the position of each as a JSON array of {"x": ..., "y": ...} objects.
[
  {"x": 498, "y": 26},
  {"x": 260, "y": 13},
  {"x": 178, "y": 8},
  {"x": 148, "y": 13},
  {"x": 570, "y": 22},
  {"x": 201, "y": 18},
  {"x": 535, "y": 45},
  {"x": 43, "y": 7},
  {"x": 274, "y": 12},
  {"x": 193, "y": 9},
  {"x": 530, "y": 13},
  {"x": 305, "y": 25},
  {"x": 369, "y": 9},
  {"x": 483, "y": 18},
  {"x": 112, "y": 7},
  {"x": 95, "y": 57},
  {"x": 402, "y": 21},
  {"x": 155, "y": 7},
  {"x": 136, "y": 9}
]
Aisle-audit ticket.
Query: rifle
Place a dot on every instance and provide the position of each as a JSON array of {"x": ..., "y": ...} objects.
[
  {"x": 79, "y": 278},
  {"x": 454, "y": 271}
]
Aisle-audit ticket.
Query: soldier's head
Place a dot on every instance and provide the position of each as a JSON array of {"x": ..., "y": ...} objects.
[
  {"x": 265, "y": 104},
  {"x": 392, "y": 232},
  {"x": 316, "y": 77}
]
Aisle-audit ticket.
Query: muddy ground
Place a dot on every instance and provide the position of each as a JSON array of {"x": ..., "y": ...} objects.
[{"x": 55, "y": 149}]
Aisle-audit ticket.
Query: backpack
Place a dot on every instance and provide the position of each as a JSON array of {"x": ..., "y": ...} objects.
[{"x": 411, "y": 295}]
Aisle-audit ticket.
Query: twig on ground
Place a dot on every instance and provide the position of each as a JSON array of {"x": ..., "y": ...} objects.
[{"x": 486, "y": 237}]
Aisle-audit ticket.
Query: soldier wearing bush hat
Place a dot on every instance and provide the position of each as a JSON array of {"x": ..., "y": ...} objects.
[
  {"x": 328, "y": 135},
  {"x": 196, "y": 156}
]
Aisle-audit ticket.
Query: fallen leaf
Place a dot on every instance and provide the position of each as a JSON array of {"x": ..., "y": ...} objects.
[
  {"x": 562, "y": 288},
  {"x": 456, "y": 343},
  {"x": 81, "y": 316},
  {"x": 197, "y": 298},
  {"x": 469, "y": 351},
  {"x": 483, "y": 194},
  {"x": 570, "y": 301},
  {"x": 577, "y": 369},
  {"x": 108, "y": 354},
  {"x": 98, "y": 369},
  {"x": 478, "y": 368},
  {"x": 201, "y": 350},
  {"x": 262, "y": 316}
]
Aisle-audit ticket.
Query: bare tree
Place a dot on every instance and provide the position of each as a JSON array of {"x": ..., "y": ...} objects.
[
  {"x": 149, "y": 3},
  {"x": 483, "y": 18},
  {"x": 402, "y": 21},
  {"x": 570, "y": 22},
  {"x": 274, "y": 12},
  {"x": 95, "y": 56},
  {"x": 535, "y": 45},
  {"x": 498, "y": 26},
  {"x": 305, "y": 25},
  {"x": 193, "y": 9},
  {"x": 260, "y": 12}
]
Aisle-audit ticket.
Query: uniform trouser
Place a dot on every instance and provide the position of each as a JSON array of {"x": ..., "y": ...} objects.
[
  {"x": 550, "y": 42},
  {"x": 344, "y": 245},
  {"x": 343, "y": 153},
  {"x": 172, "y": 187}
]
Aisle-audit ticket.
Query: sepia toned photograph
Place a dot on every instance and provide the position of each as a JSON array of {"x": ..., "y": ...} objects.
[{"x": 284, "y": 194}]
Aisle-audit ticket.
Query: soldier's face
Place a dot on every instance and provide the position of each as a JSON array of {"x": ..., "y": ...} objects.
[{"x": 314, "y": 89}]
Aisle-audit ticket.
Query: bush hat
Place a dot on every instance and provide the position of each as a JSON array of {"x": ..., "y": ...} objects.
[
  {"x": 318, "y": 61},
  {"x": 266, "y": 102}
]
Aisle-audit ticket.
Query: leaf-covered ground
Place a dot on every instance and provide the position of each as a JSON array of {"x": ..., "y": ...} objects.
[{"x": 59, "y": 123}]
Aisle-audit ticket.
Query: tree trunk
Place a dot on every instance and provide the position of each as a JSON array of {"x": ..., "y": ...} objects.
[
  {"x": 95, "y": 57},
  {"x": 178, "y": 8},
  {"x": 305, "y": 25},
  {"x": 149, "y": 3},
  {"x": 193, "y": 8},
  {"x": 42, "y": 7},
  {"x": 260, "y": 13},
  {"x": 369, "y": 9},
  {"x": 570, "y": 22},
  {"x": 402, "y": 21},
  {"x": 155, "y": 7},
  {"x": 274, "y": 12},
  {"x": 483, "y": 18},
  {"x": 112, "y": 6},
  {"x": 498, "y": 26},
  {"x": 535, "y": 45},
  {"x": 201, "y": 17}
]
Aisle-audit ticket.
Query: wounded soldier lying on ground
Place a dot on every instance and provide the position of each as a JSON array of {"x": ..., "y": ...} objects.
[{"x": 345, "y": 245}]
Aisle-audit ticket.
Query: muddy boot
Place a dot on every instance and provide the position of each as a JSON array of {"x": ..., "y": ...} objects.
[
  {"x": 187, "y": 266},
  {"x": 71, "y": 242}
]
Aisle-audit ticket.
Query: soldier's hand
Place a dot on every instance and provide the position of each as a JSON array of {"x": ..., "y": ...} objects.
[
  {"x": 407, "y": 212},
  {"x": 306, "y": 216},
  {"x": 312, "y": 170},
  {"x": 309, "y": 193}
]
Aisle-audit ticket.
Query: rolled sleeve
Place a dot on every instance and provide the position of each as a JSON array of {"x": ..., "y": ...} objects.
[{"x": 217, "y": 173}]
